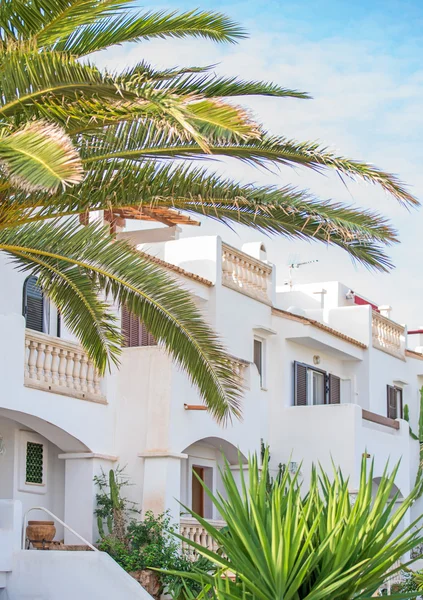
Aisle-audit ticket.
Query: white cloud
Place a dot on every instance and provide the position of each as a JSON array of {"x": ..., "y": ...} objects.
[{"x": 368, "y": 104}]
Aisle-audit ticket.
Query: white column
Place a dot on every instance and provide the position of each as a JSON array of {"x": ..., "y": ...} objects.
[
  {"x": 162, "y": 483},
  {"x": 80, "y": 492}
]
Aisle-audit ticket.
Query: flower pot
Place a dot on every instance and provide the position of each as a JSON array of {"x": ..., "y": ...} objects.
[
  {"x": 40, "y": 533},
  {"x": 149, "y": 581}
]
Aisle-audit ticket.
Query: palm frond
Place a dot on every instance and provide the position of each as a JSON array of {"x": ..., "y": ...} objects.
[
  {"x": 77, "y": 264},
  {"x": 39, "y": 156},
  {"x": 131, "y": 27},
  {"x": 285, "y": 211},
  {"x": 199, "y": 81},
  {"x": 138, "y": 140}
]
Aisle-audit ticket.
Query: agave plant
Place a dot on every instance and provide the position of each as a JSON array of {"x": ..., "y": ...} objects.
[
  {"x": 283, "y": 543},
  {"x": 128, "y": 128}
]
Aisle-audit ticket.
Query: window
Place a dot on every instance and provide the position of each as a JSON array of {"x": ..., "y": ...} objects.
[
  {"x": 394, "y": 402},
  {"x": 134, "y": 331},
  {"x": 33, "y": 455},
  {"x": 34, "y": 463},
  {"x": 314, "y": 387},
  {"x": 259, "y": 358},
  {"x": 35, "y": 306}
]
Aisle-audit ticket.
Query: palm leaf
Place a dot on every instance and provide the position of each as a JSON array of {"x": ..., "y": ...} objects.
[
  {"x": 76, "y": 264},
  {"x": 131, "y": 27},
  {"x": 40, "y": 157}
]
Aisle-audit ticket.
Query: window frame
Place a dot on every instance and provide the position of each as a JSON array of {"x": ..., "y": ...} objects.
[
  {"x": 262, "y": 372},
  {"x": 327, "y": 389},
  {"x": 399, "y": 407},
  {"x": 23, "y": 485}
]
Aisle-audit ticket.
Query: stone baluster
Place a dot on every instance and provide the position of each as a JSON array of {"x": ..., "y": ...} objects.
[
  {"x": 83, "y": 372},
  {"x": 69, "y": 369},
  {"x": 62, "y": 366},
  {"x": 48, "y": 376},
  {"x": 40, "y": 361},
  {"x": 90, "y": 377},
  {"x": 96, "y": 378},
  {"x": 27, "y": 354},
  {"x": 32, "y": 360},
  {"x": 77, "y": 371},
  {"x": 55, "y": 365}
]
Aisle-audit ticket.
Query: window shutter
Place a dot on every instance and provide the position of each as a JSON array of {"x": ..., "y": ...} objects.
[
  {"x": 134, "y": 332},
  {"x": 392, "y": 402},
  {"x": 33, "y": 304},
  {"x": 126, "y": 324},
  {"x": 399, "y": 396},
  {"x": 300, "y": 379},
  {"x": 334, "y": 389}
]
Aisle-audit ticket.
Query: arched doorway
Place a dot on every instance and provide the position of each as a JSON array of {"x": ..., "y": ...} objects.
[{"x": 205, "y": 459}]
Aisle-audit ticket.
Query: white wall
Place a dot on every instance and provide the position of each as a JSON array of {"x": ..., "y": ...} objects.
[
  {"x": 69, "y": 575},
  {"x": 50, "y": 496}
]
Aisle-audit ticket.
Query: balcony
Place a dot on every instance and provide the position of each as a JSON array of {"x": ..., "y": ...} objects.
[
  {"x": 388, "y": 336},
  {"x": 60, "y": 366},
  {"x": 245, "y": 274},
  {"x": 191, "y": 529}
]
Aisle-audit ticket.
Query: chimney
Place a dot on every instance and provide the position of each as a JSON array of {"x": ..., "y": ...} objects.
[{"x": 385, "y": 310}]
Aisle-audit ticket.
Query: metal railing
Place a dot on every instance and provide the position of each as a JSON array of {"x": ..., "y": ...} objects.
[{"x": 24, "y": 538}]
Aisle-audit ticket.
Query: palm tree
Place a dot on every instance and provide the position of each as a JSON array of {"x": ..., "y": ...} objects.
[
  {"x": 282, "y": 543},
  {"x": 128, "y": 129}
]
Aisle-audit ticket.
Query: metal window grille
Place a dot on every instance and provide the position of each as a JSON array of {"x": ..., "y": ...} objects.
[{"x": 34, "y": 463}]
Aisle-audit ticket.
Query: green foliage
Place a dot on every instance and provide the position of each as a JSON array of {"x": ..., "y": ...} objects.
[
  {"x": 112, "y": 509},
  {"x": 412, "y": 582},
  {"x": 150, "y": 544},
  {"x": 141, "y": 544},
  {"x": 319, "y": 545},
  {"x": 407, "y": 418}
]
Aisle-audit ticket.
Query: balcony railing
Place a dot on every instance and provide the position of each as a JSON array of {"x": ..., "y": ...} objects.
[
  {"x": 60, "y": 366},
  {"x": 191, "y": 529},
  {"x": 388, "y": 336},
  {"x": 246, "y": 274}
]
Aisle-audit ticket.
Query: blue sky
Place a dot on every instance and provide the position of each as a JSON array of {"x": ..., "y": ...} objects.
[{"x": 362, "y": 63}]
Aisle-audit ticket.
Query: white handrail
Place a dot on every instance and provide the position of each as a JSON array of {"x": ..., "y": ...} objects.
[{"x": 56, "y": 519}]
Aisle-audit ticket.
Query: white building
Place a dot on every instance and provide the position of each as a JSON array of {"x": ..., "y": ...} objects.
[{"x": 327, "y": 375}]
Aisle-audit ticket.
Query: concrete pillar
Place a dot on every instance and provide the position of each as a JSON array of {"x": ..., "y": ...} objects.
[
  {"x": 162, "y": 483},
  {"x": 80, "y": 492}
]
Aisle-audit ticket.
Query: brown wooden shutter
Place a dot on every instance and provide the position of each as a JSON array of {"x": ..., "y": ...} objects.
[
  {"x": 300, "y": 384},
  {"x": 391, "y": 394},
  {"x": 134, "y": 332},
  {"x": 126, "y": 326},
  {"x": 399, "y": 396},
  {"x": 334, "y": 389}
]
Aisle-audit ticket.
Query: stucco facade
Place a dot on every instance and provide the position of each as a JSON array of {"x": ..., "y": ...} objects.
[{"x": 144, "y": 416}]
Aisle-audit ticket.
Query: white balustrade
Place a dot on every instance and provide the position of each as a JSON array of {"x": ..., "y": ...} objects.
[
  {"x": 246, "y": 274},
  {"x": 192, "y": 530},
  {"x": 60, "y": 366},
  {"x": 388, "y": 335},
  {"x": 239, "y": 369}
]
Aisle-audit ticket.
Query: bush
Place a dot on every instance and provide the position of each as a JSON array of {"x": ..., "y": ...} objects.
[{"x": 146, "y": 544}]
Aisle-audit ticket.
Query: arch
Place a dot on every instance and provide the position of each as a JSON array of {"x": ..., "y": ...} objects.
[
  {"x": 230, "y": 451},
  {"x": 395, "y": 489},
  {"x": 57, "y": 436},
  {"x": 204, "y": 462}
]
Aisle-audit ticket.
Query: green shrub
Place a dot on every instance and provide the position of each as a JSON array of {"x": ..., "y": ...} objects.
[
  {"x": 149, "y": 543},
  {"x": 283, "y": 543}
]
